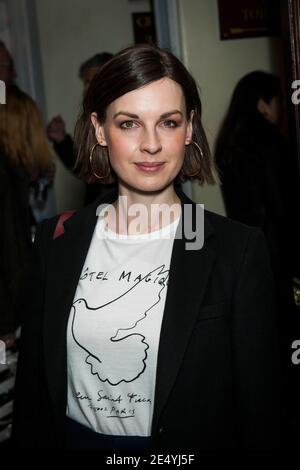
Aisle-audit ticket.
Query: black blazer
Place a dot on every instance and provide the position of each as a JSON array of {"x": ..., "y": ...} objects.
[
  {"x": 217, "y": 372},
  {"x": 15, "y": 240}
]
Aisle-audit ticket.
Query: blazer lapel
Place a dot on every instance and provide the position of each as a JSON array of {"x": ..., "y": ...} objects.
[{"x": 189, "y": 273}]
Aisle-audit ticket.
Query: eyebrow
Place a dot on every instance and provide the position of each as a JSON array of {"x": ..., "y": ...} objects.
[{"x": 135, "y": 116}]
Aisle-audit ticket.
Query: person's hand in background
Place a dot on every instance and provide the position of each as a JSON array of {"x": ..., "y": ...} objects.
[{"x": 56, "y": 130}]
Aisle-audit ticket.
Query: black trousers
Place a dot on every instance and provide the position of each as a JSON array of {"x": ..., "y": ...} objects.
[{"x": 81, "y": 437}]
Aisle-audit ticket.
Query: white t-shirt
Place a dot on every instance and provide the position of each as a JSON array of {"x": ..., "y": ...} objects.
[{"x": 114, "y": 328}]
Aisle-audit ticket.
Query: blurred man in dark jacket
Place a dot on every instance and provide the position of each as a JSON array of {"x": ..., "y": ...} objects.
[{"x": 63, "y": 142}]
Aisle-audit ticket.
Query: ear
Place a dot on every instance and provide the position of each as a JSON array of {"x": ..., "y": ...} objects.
[
  {"x": 262, "y": 107},
  {"x": 99, "y": 130},
  {"x": 189, "y": 130}
]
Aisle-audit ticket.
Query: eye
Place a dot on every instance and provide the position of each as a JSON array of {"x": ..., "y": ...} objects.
[
  {"x": 170, "y": 123},
  {"x": 128, "y": 125}
]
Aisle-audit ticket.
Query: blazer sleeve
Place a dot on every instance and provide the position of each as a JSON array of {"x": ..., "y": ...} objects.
[
  {"x": 256, "y": 349},
  {"x": 32, "y": 417},
  {"x": 64, "y": 150}
]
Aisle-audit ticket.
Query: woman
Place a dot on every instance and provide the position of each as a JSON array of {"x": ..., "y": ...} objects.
[
  {"x": 140, "y": 337},
  {"x": 258, "y": 180},
  {"x": 24, "y": 156},
  {"x": 260, "y": 188}
]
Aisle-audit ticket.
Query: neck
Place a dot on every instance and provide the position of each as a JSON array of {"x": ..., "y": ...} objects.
[{"x": 142, "y": 212}]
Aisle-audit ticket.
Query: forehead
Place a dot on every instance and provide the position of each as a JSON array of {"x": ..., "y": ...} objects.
[{"x": 157, "y": 97}]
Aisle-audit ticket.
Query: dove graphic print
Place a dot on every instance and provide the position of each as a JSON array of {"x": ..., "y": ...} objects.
[
  {"x": 121, "y": 331},
  {"x": 114, "y": 345},
  {"x": 149, "y": 321}
]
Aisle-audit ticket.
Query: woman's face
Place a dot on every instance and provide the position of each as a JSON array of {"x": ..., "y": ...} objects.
[
  {"x": 270, "y": 111},
  {"x": 146, "y": 131}
]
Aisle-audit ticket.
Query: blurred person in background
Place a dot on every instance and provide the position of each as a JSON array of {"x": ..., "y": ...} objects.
[
  {"x": 56, "y": 130},
  {"x": 260, "y": 186},
  {"x": 258, "y": 176},
  {"x": 24, "y": 157}
]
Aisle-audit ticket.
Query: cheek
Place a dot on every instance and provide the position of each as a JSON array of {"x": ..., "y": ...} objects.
[
  {"x": 119, "y": 147},
  {"x": 176, "y": 144}
]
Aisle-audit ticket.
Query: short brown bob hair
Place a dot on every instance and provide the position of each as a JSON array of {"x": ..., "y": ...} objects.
[{"x": 130, "y": 69}]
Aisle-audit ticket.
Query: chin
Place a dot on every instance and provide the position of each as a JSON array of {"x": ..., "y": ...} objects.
[{"x": 148, "y": 186}]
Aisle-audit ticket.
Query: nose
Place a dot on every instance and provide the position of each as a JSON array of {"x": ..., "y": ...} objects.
[{"x": 150, "y": 142}]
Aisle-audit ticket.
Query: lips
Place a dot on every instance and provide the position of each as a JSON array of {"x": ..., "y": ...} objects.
[
  {"x": 149, "y": 164},
  {"x": 149, "y": 167}
]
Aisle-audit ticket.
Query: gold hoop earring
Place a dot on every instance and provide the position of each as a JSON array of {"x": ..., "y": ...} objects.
[
  {"x": 197, "y": 147},
  {"x": 91, "y": 164},
  {"x": 201, "y": 154}
]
